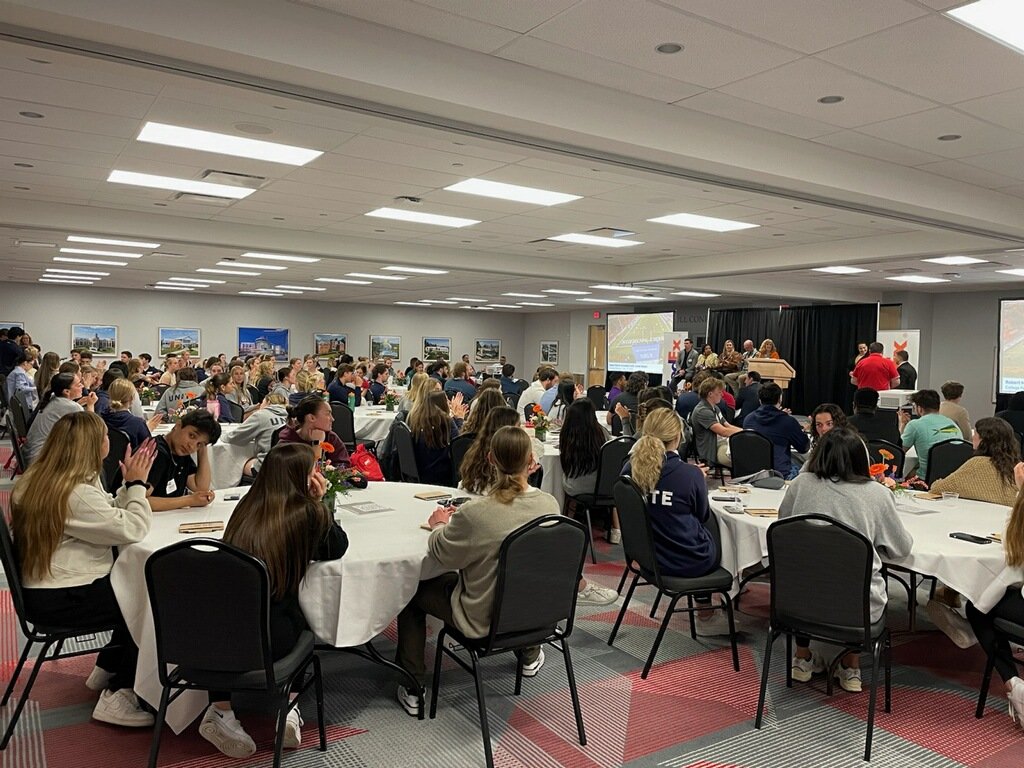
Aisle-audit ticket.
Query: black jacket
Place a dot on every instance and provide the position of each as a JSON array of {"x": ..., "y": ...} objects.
[{"x": 908, "y": 376}]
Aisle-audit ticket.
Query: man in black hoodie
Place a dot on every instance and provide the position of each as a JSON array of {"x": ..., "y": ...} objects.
[{"x": 10, "y": 349}]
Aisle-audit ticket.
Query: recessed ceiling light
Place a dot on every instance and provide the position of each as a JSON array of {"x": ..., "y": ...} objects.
[
  {"x": 417, "y": 270},
  {"x": 91, "y": 252},
  {"x": 598, "y": 301},
  {"x": 303, "y": 287},
  {"x": 77, "y": 272},
  {"x": 606, "y": 242},
  {"x": 111, "y": 241},
  {"x": 641, "y": 297},
  {"x": 96, "y": 262},
  {"x": 533, "y": 304},
  {"x": 259, "y": 293},
  {"x": 957, "y": 261},
  {"x": 526, "y": 295},
  {"x": 1013, "y": 272},
  {"x": 278, "y": 291},
  {"x": 153, "y": 181},
  {"x": 342, "y": 281},
  {"x": 841, "y": 270},
  {"x": 225, "y": 144},
  {"x": 611, "y": 287},
  {"x": 437, "y": 301},
  {"x": 696, "y": 294},
  {"x": 33, "y": 115},
  {"x": 238, "y": 272},
  {"x": 279, "y": 257},
  {"x": 245, "y": 265},
  {"x": 503, "y": 306},
  {"x": 921, "y": 279},
  {"x": 502, "y": 191},
  {"x": 419, "y": 217},
  {"x": 409, "y": 304},
  {"x": 459, "y": 298},
  {"x": 950, "y": 137},
  {"x": 669, "y": 48},
  {"x": 566, "y": 292},
  {"x": 203, "y": 282},
  {"x": 831, "y": 99},
  {"x": 63, "y": 282},
  {"x": 693, "y": 221},
  {"x": 372, "y": 276},
  {"x": 1002, "y": 20}
]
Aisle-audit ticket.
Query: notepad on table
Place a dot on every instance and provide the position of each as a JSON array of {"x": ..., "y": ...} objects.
[
  {"x": 932, "y": 495},
  {"x": 365, "y": 508},
  {"x": 765, "y": 512},
  {"x": 210, "y": 526},
  {"x": 432, "y": 495},
  {"x": 734, "y": 489}
]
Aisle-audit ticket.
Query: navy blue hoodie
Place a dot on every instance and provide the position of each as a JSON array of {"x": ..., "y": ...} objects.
[{"x": 783, "y": 430}]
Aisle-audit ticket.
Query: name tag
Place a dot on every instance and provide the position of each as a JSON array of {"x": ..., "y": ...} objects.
[{"x": 171, "y": 486}]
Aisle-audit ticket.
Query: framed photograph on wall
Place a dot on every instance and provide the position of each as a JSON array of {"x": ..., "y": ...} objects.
[
  {"x": 177, "y": 340},
  {"x": 329, "y": 344},
  {"x": 98, "y": 339},
  {"x": 488, "y": 350},
  {"x": 263, "y": 341},
  {"x": 436, "y": 348},
  {"x": 389, "y": 346},
  {"x": 549, "y": 352},
  {"x": 12, "y": 324}
]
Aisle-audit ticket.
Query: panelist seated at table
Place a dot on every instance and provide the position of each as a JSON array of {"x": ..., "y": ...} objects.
[
  {"x": 837, "y": 483},
  {"x": 468, "y": 541},
  {"x": 310, "y": 422},
  {"x": 434, "y": 422},
  {"x": 988, "y": 475},
  {"x": 175, "y": 480},
  {"x": 65, "y": 526},
  {"x": 257, "y": 431},
  {"x": 283, "y": 521}
]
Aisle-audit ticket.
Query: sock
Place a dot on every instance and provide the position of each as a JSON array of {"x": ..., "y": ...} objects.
[{"x": 226, "y": 714}]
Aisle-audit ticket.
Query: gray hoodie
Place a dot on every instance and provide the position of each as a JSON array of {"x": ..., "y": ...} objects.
[{"x": 258, "y": 429}]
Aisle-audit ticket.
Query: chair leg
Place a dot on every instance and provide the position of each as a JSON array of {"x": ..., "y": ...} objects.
[
  {"x": 484, "y": 728},
  {"x": 574, "y": 693},
  {"x": 519, "y": 676},
  {"x": 888, "y": 672},
  {"x": 772, "y": 635},
  {"x": 57, "y": 650},
  {"x": 789, "y": 662},
  {"x": 654, "y": 607},
  {"x": 732, "y": 631},
  {"x": 590, "y": 535},
  {"x": 282, "y": 719},
  {"x": 912, "y": 602},
  {"x": 693, "y": 617},
  {"x": 661, "y": 634},
  {"x": 436, "y": 682},
  {"x": 872, "y": 697},
  {"x": 25, "y": 694},
  {"x": 979, "y": 712},
  {"x": 318, "y": 682},
  {"x": 17, "y": 672},
  {"x": 622, "y": 610},
  {"x": 158, "y": 727},
  {"x": 622, "y": 581}
]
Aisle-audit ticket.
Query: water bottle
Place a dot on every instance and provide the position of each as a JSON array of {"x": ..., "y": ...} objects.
[{"x": 352, "y": 400}]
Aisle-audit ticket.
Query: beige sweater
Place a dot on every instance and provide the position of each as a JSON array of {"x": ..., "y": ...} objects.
[
  {"x": 959, "y": 414},
  {"x": 470, "y": 542},
  {"x": 978, "y": 479}
]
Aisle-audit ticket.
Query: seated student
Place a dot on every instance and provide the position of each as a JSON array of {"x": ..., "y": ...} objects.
[
  {"x": 952, "y": 392},
  {"x": 285, "y": 381},
  {"x": 49, "y": 366},
  {"x": 1014, "y": 413},
  {"x": 176, "y": 480},
  {"x": 147, "y": 366},
  {"x": 635, "y": 384},
  {"x": 65, "y": 526},
  {"x": 616, "y": 385},
  {"x": 547, "y": 378},
  {"x": 172, "y": 364},
  {"x": 417, "y": 383},
  {"x": 871, "y": 423},
  {"x": 434, "y": 422},
  {"x": 460, "y": 383},
  {"x": 63, "y": 396},
  {"x": 19, "y": 380},
  {"x": 677, "y": 507},
  {"x": 565, "y": 393},
  {"x": 465, "y": 543},
  {"x": 929, "y": 428},
  {"x": 343, "y": 388},
  {"x": 988, "y": 475},
  {"x": 547, "y": 398},
  {"x": 415, "y": 366},
  {"x": 283, "y": 521},
  {"x": 689, "y": 396},
  {"x": 439, "y": 370},
  {"x": 488, "y": 399},
  {"x": 240, "y": 394},
  {"x": 711, "y": 430},
  {"x": 306, "y": 384},
  {"x": 510, "y": 385},
  {"x": 311, "y": 422},
  {"x": 215, "y": 395},
  {"x": 185, "y": 389},
  {"x": 837, "y": 483},
  {"x": 205, "y": 372},
  {"x": 651, "y": 399},
  {"x": 476, "y": 473},
  {"x": 746, "y": 398},
  {"x": 265, "y": 377},
  {"x": 118, "y": 415},
  {"x": 378, "y": 384},
  {"x": 257, "y": 431},
  {"x": 90, "y": 378},
  {"x": 778, "y": 426}
]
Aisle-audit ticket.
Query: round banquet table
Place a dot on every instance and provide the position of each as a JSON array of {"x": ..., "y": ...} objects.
[
  {"x": 372, "y": 422},
  {"x": 347, "y": 602},
  {"x": 226, "y": 460},
  {"x": 553, "y": 475}
]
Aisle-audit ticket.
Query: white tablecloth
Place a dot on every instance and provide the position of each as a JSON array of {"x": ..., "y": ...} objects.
[
  {"x": 553, "y": 476},
  {"x": 226, "y": 460},
  {"x": 347, "y": 602},
  {"x": 976, "y": 571},
  {"x": 372, "y": 422}
]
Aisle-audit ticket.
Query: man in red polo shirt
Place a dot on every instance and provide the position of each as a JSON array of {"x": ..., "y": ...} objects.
[{"x": 875, "y": 371}]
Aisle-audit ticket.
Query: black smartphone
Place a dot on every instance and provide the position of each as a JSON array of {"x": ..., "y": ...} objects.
[
  {"x": 459, "y": 501},
  {"x": 970, "y": 537},
  {"x": 725, "y": 498}
]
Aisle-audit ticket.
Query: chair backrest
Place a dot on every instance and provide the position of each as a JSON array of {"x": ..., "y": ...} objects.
[
  {"x": 16, "y": 443},
  {"x": 946, "y": 457},
  {"x": 457, "y": 451},
  {"x": 21, "y": 413},
  {"x": 344, "y": 424},
  {"x": 3, "y": 390},
  {"x": 237, "y": 411},
  {"x": 211, "y": 608},
  {"x": 528, "y": 411},
  {"x": 598, "y": 396},
  {"x": 539, "y": 568},
  {"x": 899, "y": 456},
  {"x": 750, "y": 453},
  {"x": 254, "y": 395},
  {"x": 119, "y": 442},
  {"x": 12, "y": 570},
  {"x": 820, "y": 575},
  {"x": 512, "y": 401},
  {"x": 406, "y": 451},
  {"x": 275, "y": 436},
  {"x": 637, "y": 535},
  {"x": 613, "y": 457}
]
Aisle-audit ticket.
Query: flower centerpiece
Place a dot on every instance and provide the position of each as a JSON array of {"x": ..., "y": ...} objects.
[
  {"x": 540, "y": 422},
  {"x": 338, "y": 479},
  {"x": 884, "y": 472},
  {"x": 147, "y": 395},
  {"x": 399, "y": 379},
  {"x": 391, "y": 399}
]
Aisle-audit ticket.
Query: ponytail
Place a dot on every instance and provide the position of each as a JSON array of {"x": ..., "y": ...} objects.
[
  {"x": 661, "y": 429},
  {"x": 510, "y": 453},
  {"x": 58, "y": 385}
]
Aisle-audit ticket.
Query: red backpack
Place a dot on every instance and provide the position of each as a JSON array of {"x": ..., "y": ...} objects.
[{"x": 366, "y": 463}]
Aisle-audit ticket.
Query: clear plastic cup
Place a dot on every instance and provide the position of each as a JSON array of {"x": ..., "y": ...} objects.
[{"x": 950, "y": 496}]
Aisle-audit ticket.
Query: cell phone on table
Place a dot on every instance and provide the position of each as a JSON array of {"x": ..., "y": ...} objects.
[
  {"x": 725, "y": 498},
  {"x": 459, "y": 501},
  {"x": 970, "y": 537}
]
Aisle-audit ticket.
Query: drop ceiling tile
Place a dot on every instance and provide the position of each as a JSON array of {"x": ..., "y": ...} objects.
[
  {"x": 143, "y": 156},
  {"x": 516, "y": 15},
  {"x": 941, "y": 5},
  {"x": 44, "y": 169},
  {"x": 80, "y": 69},
  {"x": 869, "y": 146},
  {"x": 960, "y": 171},
  {"x": 444, "y": 141},
  {"x": 68, "y": 119},
  {"x": 806, "y": 25},
  {"x": 312, "y": 180},
  {"x": 65, "y": 139},
  {"x": 643, "y": 196},
  {"x": 370, "y": 148},
  {"x": 299, "y": 189},
  {"x": 593, "y": 69},
  {"x": 374, "y": 169},
  {"x": 1007, "y": 163},
  {"x": 1005, "y": 109},
  {"x": 759, "y": 115},
  {"x": 796, "y": 87},
  {"x": 588, "y": 169},
  {"x": 52, "y": 91},
  {"x": 22, "y": 151},
  {"x": 627, "y": 31},
  {"x": 922, "y": 129},
  {"x": 1016, "y": 190}
]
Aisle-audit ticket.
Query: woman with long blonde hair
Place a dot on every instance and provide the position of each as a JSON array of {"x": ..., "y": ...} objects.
[
  {"x": 64, "y": 525},
  {"x": 767, "y": 349},
  {"x": 420, "y": 384}
]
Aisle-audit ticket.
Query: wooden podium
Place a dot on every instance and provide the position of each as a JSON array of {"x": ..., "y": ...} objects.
[{"x": 778, "y": 371}]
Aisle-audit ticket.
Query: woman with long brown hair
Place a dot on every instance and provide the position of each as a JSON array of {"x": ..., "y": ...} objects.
[
  {"x": 434, "y": 423},
  {"x": 64, "y": 525},
  {"x": 988, "y": 475},
  {"x": 48, "y": 367},
  {"x": 283, "y": 521},
  {"x": 487, "y": 400},
  {"x": 476, "y": 471}
]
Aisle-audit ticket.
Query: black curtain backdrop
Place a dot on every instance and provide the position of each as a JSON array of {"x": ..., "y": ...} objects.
[{"x": 818, "y": 341}]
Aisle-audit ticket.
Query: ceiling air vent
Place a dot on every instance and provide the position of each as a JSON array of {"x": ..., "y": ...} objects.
[
  {"x": 610, "y": 232},
  {"x": 233, "y": 179},
  {"x": 902, "y": 271},
  {"x": 189, "y": 197}
]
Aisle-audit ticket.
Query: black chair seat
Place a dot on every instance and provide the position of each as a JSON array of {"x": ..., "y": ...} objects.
[
  {"x": 1011, "y": 628},
  {"x": 717, "y": 579},
  {"x": 593, "y": 500},
  {"x": 502, "y": 644},
  {"x": 256, "y": 679},
  {"x": 48, "y": 629},
  {"x": 850, "y": 635}
]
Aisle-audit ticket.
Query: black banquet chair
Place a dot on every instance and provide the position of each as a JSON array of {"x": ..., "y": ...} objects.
[
  {"x": 750, "y": 453},
  {"x": 899, "y": 456},
  {"x": 407, "y": 467},
  {"x": 947, "y": 457},
  {"x": 1009, "y": 631},
  {"x": 613, "y": 456},
  {"x": 219, "y": 639},
  {"x": 119, "y": 443},
  {"x": 344, "y": 426},
  {"x": 457, "y": 451},
  {"x": 821, "y": 588},
  {"x": 598, "y": 396},
  {"x": 539, "y": 568}
]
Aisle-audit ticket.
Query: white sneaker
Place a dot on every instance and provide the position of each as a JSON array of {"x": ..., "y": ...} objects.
[
  {"x": 717, "y": 625},
  {"x": 614, "y": 536},
  {"x": 952, "y": 624},
  {"x": 531, "y": 670},
  {"x": 848, "y": 677},
  {"x": 293, "y": 728},
  {"x": 98, "y": 679},
  {"x": 595, "y": 594},
  {"x": 1015, "y": 698},
  {"x": 410, "y": 701},
  {"x": 121, "y": 708},
  {"x": 226, "y": 733},
  {"x": 805, "y": 669}
]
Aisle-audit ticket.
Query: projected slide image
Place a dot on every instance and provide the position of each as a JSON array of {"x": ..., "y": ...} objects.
[
  {"x": 1011, "y": 346},
  {"x": 635, "y": 341}
]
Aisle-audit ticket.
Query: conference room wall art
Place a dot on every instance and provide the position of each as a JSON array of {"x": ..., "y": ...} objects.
[
  {"x": 98, "y": 339},
  {"x": 385, "y": 346},
  {"x": 330, "y": 344},
  {"x": 11, "y": 324},
  {"x": 177, "y": 340},
  {"x": 488, "y": 350},
  {"x": 437, "y": 348},
  {"x": 549, "y": 352},
  {"x": 263, "y": 341}
]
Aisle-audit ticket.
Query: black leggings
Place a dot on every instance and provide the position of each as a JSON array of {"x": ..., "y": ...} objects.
[{"x": 1011, "y": 608}]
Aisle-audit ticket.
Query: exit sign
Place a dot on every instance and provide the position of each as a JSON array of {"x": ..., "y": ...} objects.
[{"x": 597, "y": 315}]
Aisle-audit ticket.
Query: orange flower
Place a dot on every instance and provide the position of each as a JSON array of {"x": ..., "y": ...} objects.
[
  {"x": 885, "y": 454},
  {"x": 537, "y": 409},
  {"x": 326, "y": 447},
  {"x": 877, "y": 469}
]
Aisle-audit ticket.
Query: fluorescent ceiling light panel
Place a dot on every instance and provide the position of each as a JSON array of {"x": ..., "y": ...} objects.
[
  {"x": 1002, "y": 20},
  {"x": 489, "y": 309},
  {"x": 417, "y": 270},
  {"x": 920, "y": 279},
  {"x": 840, "y": 270},
  {"x": 225, "y": 144},
  {"x": 526, "y": 295},
  {"x": 279, "y": 290},
  {"x": 258, "y": 293},
  {"x": 956, "y": 261},
  {"x": 33, "y": 244},
  {"x": 640, "y": 297},
  {"x": 418, "y": 217},
  {"x": 566, "y": 292},
  {"x": 610, "y": 287},
  {"x": 95, "y": 262},
  {"x": 1014, "y": 272},
  {"x": 533, "y": 304},
  {"x": 459, "y": 298},
  {"x": 179, "y": 185},
  {"x": 279, "y": 257},
  {"x": 77, "y": 272},
  {"x": 90, "y": 252},
  {"x": 302, "y": 287},
  {"x": 68, "y": 281},
  {"x": 342, "y": 281},
  {"x": 503, "y": 191},
  {"x": 164, "y": 287},
  {"x": 244, "y": 265},
  {"x": 111, "y": 241},
  {"x": 437, "y": 301},
  {"x": 238, "y": 272},
  {"x": 599, "y": 301},
  {"x": 503, "y": 306},
  {"x": 409, "y": 304},
  {"x": 693, "y": 221},
  {"x": 204, "y": 281},
  {"x": 696, "y": 294},
  {"x": 604, "y": 242},
  {"x": 375, "y": 277}
]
